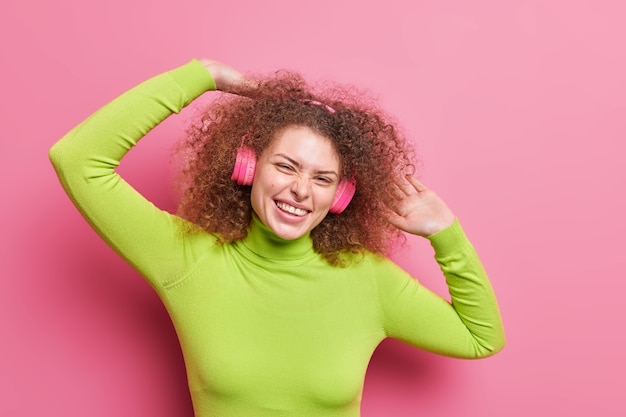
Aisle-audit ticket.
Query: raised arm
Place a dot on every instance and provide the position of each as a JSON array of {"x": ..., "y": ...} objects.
[
  {"x": 85, "y": 160},
  {"x": 468, "y": 327}
]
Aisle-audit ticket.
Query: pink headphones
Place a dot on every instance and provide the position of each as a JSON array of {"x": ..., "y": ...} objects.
[{"x": 243, "y": 173}]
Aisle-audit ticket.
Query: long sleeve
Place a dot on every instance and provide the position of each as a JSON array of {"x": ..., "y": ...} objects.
[
  {"x": 468, "y": 327},
  {"x": 85, "y": 160}
]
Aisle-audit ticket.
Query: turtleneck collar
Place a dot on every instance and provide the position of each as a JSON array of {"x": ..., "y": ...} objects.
[{"x": 264, "y": 243}]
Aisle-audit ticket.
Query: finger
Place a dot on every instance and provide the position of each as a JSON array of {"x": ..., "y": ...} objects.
[
  {"x": 246, "y": 87},
  {"x": 393, "y": 217},
  {"x": 396, "y": 204},
  {"x": 416, "y": 184},
  {"x": 405, "y": 186},
  {"x": 396, "y": 192}
]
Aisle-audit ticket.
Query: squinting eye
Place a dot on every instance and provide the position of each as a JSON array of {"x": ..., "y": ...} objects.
[
  {"x": 324, "y": 180},
  {"x": 285, "y": 167}
]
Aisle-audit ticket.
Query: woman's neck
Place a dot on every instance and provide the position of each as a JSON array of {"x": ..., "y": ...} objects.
[{"x": 263, "y": 242}]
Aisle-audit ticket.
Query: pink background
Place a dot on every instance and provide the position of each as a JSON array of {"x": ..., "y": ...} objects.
[{"x": 518, "y": 112}]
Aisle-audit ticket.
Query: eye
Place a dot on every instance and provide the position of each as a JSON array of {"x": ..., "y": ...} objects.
[
  {"x": 285, "y": 167},
  {"x": 324, "y": 180}
]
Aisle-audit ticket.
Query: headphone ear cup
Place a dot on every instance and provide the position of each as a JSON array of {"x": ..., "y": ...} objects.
[
  {"x": 245, "y": 165},
  {"x": 343, "y": 196},
  {"x": 250, "y": 167}
]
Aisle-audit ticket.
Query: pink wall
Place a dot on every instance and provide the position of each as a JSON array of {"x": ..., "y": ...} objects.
[{"x": 518, "y": 111}]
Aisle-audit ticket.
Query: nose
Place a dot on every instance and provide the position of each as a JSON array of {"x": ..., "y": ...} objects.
[{"x": 300, "y": 188}]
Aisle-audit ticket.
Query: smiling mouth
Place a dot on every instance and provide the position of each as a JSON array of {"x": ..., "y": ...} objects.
[{"x": 291, "y": 209}]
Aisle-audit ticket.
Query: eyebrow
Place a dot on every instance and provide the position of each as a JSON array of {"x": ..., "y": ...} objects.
[{"x": 298, "y": 165}]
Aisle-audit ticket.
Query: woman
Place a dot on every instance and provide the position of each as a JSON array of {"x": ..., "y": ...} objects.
[{"x": 274, "y": 271}]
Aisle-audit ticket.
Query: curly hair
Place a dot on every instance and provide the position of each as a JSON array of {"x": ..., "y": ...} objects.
[{"x": 370, "y": 145}]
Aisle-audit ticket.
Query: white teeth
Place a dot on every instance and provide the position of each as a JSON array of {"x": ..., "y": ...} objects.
[{"x": 291, "y": 209}]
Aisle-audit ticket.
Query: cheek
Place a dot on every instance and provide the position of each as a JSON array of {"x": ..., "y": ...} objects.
[
  {"x": 325, "y": 196},
  {"x": 264, "y": 185},
  {"x": 254, "y": 199}
]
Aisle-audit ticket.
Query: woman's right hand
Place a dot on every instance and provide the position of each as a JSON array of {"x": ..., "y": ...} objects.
[{"x": 227, "y": 79}]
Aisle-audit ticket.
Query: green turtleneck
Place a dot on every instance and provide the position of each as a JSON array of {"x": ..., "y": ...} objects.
[
  {"x": 266, "y": 326},
  {"x": 267, "y": 245}
]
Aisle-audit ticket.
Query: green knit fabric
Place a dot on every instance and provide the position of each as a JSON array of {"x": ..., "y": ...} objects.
[{"x": 267, "y": 327}]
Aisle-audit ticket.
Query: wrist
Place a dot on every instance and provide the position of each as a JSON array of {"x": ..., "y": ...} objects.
[{"x": 437, "y": 225}]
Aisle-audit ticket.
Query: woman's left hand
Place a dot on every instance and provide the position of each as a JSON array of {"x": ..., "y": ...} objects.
[
  {"x": 227, "y": 79},
  {"x": 418, "y": 210}
]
